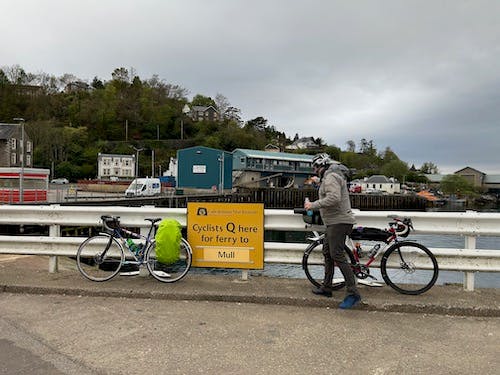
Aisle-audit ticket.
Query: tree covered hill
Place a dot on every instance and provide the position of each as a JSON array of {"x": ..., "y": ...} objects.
[{"x": 70, "y": 121}]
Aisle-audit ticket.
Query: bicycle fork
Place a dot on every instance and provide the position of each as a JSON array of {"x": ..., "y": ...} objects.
[{"x": 100, "y": 257}]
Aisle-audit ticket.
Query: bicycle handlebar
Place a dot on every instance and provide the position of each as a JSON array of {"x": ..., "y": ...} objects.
[
  {"x": 106, "y": 219},
  {"x": 403, "y": 225}
]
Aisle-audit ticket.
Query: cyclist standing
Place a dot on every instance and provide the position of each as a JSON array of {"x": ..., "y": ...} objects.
[{"x": 335, "y": 209}]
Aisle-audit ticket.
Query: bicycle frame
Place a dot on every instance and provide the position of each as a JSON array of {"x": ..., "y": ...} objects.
[
  {"x": 121, "y": 234},
  {"x": 355, "y": 246}
]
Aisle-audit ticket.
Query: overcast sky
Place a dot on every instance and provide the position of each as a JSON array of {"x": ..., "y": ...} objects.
[{"x": 421, "y": 77}]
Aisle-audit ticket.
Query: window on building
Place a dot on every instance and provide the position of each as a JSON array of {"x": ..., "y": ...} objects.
[
  {"x": 13, "y": 158},
  {"x": 13, "y": 143},
  {"x": 28, "y": 146},
  {"x": 28, "y": 160}
]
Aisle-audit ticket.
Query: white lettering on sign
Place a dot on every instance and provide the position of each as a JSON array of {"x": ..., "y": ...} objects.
[{"x": 199, "y": 169}]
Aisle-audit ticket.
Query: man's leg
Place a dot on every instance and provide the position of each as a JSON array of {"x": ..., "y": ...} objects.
[
  {"x": 327, "y": 281},
  {"x": 326, "y": 288},
  {"x": 336, "y": 234}
]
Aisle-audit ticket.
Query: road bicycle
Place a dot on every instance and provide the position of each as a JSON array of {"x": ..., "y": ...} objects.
[
  {"x": 406, "y": 266},
  {"x": 101, "y": 257}
]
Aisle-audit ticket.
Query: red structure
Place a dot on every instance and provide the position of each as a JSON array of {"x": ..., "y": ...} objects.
[{"x": 35, "y": 184}]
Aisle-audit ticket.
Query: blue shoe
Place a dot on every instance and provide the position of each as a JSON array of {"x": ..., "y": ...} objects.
[{"x": 350, "y": 301}]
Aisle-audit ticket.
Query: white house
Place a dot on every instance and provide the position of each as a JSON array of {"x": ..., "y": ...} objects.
[
  {"x": 113, "y": 166},
  {"x": 380, "y": 183},
  {"x": 303, "y": 143}
]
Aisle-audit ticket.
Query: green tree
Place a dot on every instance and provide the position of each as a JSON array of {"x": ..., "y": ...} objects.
[
  {"x": 367, "y": 147},
  {"x": 351, "y": 146},
  {"x": 456, "y": 184},
  {"x": 333, "y": 151},
  {"x": 205, "y": 101},
  {"x": 388, "y": 155},
  {"x": 4, "y": 80},
  {"x": 413, "y": 176},
  {"x": 395, "y": 168},
  {"x": 258, "y": 123},
  {"x": 97, "y": 83},
  {"x": 429, "y": 168}
]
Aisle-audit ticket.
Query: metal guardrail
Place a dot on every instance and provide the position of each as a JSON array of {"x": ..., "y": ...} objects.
[{"x": 469, "y": 224}]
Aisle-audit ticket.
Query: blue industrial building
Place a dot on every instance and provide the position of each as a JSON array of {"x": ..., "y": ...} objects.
[{"x": 204, "y": 168}]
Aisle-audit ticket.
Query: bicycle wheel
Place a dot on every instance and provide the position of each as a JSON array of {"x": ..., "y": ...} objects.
[
  {"x": 409, "y": 268},
  {"x": 313, "y": 264},
  {"x": 98, "y": 259},
  {"x": 169, "y": 273}
]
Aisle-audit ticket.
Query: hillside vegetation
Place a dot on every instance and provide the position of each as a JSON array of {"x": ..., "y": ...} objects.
[{"x": 70, "y": 121}]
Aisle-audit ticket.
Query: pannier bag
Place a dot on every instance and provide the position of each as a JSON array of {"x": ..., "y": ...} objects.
[
  {"x": 314, "y": 219},
  {"x": 370, "y": 234},
  {"x": 168, "y": 238}
]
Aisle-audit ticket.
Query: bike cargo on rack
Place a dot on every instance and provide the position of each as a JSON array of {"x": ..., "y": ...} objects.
[
  {"x": 168, "y": 238},
  {"x": 370, "y": 234}
]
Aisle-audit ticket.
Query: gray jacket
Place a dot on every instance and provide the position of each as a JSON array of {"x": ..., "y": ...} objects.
[{"x": 333, "y": 203}]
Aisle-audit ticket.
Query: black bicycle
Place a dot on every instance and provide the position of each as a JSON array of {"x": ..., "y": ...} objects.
[
  {"x": 101, "y": 257},
  {"x": 406, "y": 266}
]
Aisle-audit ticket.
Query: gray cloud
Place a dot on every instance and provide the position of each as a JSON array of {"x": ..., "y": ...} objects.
[{"x": 419, "y": 76}]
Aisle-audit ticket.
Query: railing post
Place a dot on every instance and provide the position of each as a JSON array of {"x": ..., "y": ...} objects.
[
  {"x": 54, "y": 231},
  {"x": 143, "y": 272},
  {"x": 470, "y": 243},
  {"x": 244, "y": 275}
]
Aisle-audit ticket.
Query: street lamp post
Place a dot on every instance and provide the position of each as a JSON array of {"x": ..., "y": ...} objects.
[
  {"x": 185, "y": 111},
  {"x": 21, "y": 174},
  {"x": 152, "y": 162},
  {"x": 221, "y": 173},
  {"x": 137, "y": 150}
]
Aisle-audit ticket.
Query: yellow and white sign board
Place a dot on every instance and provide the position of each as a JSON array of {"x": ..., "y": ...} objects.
[{"x": 226, "y": 235}]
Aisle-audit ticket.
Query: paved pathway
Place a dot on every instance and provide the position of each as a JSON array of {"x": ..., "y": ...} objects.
[{"x": 61, "y": 323}]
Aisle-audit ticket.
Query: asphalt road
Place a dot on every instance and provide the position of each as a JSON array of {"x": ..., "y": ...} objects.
[{"x": 58, "y": 334}]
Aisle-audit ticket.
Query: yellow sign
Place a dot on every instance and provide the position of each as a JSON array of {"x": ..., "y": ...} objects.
[{"x": 226, "y": 235}]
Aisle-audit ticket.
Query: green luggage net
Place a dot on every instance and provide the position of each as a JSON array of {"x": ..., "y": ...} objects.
[{"x": 168, "y": 238}]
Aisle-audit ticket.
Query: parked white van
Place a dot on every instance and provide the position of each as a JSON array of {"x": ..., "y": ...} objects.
[{"x": 144, "y": 187}]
